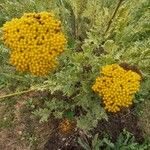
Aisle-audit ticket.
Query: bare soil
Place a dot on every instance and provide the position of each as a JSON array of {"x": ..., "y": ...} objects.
[
  {"x": 25, "y": 132},
  {"x": 118, "y": 122},
  {"x": 47, "y": 135},
  {"x": 113, "y": 127}
]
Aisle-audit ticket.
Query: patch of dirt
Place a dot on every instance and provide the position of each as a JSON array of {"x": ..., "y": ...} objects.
[
  {"x": 8, "y": 136},
  {"x": 9, "y": 141},
  {"x": 113, "y": 127},
  {"x": 26, "y": 124},
  {"x": 26, "y": 133},
  {"x": 117, "y": 122},
  {"x": 58, "y": 141}
]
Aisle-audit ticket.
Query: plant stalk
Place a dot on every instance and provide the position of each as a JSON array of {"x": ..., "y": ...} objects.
[
  {"x": 113, "y": 16},
  {"x": 15, "y": 94}
]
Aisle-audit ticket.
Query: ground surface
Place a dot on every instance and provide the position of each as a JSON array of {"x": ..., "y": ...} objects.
[{"x": 19, "y": 129}]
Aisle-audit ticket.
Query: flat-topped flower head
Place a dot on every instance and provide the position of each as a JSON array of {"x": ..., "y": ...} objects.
[
  {"x": 35, "y": 40},
  {"x": 117, "y": 87}
]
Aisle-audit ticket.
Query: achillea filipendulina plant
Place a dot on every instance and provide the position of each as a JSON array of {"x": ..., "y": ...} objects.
[
  {"x": 117, "y": 87},
  {"x": 35, "y": 40}
]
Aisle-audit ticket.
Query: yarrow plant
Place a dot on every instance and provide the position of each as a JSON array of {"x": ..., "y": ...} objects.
[
  {"x": 35, "y": 40},
  {"x": 99, "y": 33},
  {"x": 117, "y": 86}
]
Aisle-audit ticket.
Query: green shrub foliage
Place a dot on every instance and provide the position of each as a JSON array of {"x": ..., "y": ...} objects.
[
  {"x": 125, "y": 141},
  {"x": 99, "y": 32}
]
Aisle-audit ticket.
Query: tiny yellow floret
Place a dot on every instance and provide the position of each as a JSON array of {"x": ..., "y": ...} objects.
[{"x": 117, "y": 87}]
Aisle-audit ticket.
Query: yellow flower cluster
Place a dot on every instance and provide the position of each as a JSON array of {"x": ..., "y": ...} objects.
[
  {"x": 117, "y": 87},
  {"x": 35, "y": 40},
  {"x": 66, "y": 126}
]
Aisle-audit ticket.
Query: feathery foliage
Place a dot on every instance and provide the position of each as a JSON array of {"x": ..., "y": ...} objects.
[
  {"x": 99, "y": 33},
  {"x": 125, "y": 141}
]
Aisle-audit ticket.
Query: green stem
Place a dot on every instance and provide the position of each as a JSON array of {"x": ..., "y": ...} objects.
[
  {"x": 113, "y": 16},
  {"x": 15, "y": 94}
]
